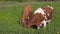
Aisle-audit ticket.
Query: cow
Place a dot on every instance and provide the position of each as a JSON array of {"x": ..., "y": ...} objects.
[
  {"x": 41, "y": 16},
  {"x": 46, "y": 12},
  {"x": 26, "y": 14}
]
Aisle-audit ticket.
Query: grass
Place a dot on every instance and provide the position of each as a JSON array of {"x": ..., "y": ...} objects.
[{"x": 10, "y": 14}]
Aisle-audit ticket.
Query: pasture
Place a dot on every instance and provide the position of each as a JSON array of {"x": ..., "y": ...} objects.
[{"x": 11, "y": 12}]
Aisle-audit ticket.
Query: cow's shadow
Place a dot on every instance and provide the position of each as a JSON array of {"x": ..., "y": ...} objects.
[{"x": 35, "y": 27}]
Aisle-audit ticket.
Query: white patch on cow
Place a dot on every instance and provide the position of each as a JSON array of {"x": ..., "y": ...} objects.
[
  {"x": 39, "y": 10},
  {"x": 51, "y": 7},
  {"x": 44, "y": 22},
  {"x": 40, "y": 24},
  {"x": 45, "y": 17},
  {"x": 48, "y": 14},
  {"x": 38, "y": 27}
]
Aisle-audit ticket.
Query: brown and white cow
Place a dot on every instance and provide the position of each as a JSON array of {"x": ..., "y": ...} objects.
[
  {"x": 26, "y": 14},
  {"x": 41, "y": 16},
  {"x": 46, "y": 12}
]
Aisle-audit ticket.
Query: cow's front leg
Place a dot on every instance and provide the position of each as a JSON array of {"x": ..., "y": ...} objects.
[
  {"x": 44, "y": 22},
  {"x": 39, "y": 25}
]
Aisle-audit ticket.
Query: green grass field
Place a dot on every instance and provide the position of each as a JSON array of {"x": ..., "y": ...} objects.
[{"x": 10, "y": 13}]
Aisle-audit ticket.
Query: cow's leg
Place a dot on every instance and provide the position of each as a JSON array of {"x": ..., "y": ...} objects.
[
  {"x": 38, "y": 27},
  {"x": 44, "y": 22},
  {"x": 38, "y": 24},
  {"x": 41, "y": 25}
]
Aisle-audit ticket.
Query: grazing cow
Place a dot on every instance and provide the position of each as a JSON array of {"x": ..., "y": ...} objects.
[
  {"x": 46, "y": 12},
  {"x": 26, "y": 14},
  {"x": 41, "y": 16}
]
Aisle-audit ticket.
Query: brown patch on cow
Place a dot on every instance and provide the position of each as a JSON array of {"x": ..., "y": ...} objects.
[{"x": 36, "y": 19}]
